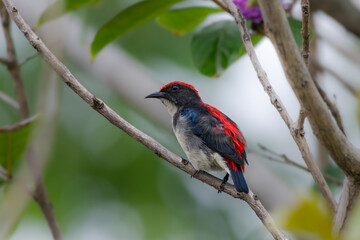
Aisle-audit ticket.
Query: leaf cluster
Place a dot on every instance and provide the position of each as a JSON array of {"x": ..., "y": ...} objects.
[{"x": 214, "y": 46}]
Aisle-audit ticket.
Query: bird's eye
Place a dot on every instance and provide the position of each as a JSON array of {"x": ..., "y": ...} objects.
[{"x": 175, "y": 88}]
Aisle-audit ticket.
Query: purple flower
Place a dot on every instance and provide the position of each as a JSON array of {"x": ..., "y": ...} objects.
[{"x": 250, "y": 10}]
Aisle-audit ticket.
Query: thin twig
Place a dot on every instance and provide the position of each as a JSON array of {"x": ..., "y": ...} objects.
[
  {"x": 116, "y": 120},
  {"x": 305, "y": 33},
  {"x": 354, "y": 56},
  {"x": 344, "y": 153},
  {"x": 4, "y": 61},
  {"x": 333, "y": 108},
  {"x": 300, "y": 122},
  {"x": 347, "y": 85},
  {"x": 17, "y": 126},
  {"x": 40, "y": 194},
  {"x": 222, "y": 5},
  {"x": 13, "y": 65},
  {"x": 305, "y": 10},
  {"x": 288, "y": 161},
  {"x": 275, "y": 100},
  {"x": 349, "y": 196},
  {"x": 28, "y": 58},
  {"x": 9, "y": 100}
]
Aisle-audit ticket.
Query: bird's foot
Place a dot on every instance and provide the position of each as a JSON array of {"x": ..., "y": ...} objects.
[
  {"x": 196, "y": 172},
  {"x": 224, "y": 181}
]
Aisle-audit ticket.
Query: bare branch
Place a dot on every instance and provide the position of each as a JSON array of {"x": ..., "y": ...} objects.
[
  {"x": 40, "y": 194},
  {"x": 28, "y": 58},
  {"x": 305, "y": 10},
  {"x": 275, "y": 100},
  {"x": 305, "y": 33},
  {"x": 348, "y": 197},
  {"x": 347, "y": 85},
  {"x": 4, "y": 61},
  {"x": 288, "y": 161},
  {"x": 333, "y": 109},
  {"x": 16, "y": 126},
  {"x": 9, "y": 100},
  {"x": 12, "y": 64},
  {"x": 340, "y": 149},
  {"x": 300, "y": 122},
  {"x": 343, "y": 11},
  {"x": 346, "y": 156},
  {"x": 116, "y": 120},
  {"x": 221, "y": 4},
  {"x": 351, "y": 55}
]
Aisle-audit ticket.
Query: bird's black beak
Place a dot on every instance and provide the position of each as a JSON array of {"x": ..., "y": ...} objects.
[{"x": 156, "y": 95}]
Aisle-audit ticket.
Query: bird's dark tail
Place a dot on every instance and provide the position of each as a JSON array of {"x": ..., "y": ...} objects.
[{"x": 239, "y": 180}]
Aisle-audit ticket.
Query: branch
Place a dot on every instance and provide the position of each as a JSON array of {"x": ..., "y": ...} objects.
[
  {"x": 275, "y": 100},
  {"x": 300, "y": 122},
  {"x": 287, "y": 160},
  {"x": 12, "y": 64},
  {"x": 305, "y": 33},
  {"x": 346, "y": 156},
  {"x": 305, "y": 10},
  {"x": 340, "y": 149},
  {"x": 347, "y": 85},
  {"x": 40, "y": 194},
  {"x": 343, "y": 11},
  {"x": 16, "y": 126},
  {"x": 28, "y": 58},
  {"x": 348, "y": 197},
  {"x": 333, "y": 109},
  {"x": 133, "y": 132},
  {"x": 351, "y": 54},
  {"x": 9, "y": 100},
  {"x": 222, "y": 5},
  {"x": 4, "y": 61}
]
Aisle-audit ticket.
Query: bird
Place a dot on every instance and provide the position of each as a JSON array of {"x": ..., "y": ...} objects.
[{"x": 209, "y": 138}]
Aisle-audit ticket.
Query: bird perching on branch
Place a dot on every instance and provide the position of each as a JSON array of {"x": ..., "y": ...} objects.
[{"x": 210, "y": 139}]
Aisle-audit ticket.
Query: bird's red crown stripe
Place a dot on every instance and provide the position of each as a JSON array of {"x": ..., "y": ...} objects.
[{"x": 181, "y": 83}]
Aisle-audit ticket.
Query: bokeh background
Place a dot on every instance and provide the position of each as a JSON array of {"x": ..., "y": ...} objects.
[{"x": 105, "y": 185}]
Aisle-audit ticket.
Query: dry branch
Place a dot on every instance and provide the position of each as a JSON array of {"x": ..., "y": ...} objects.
[
  {"x": 346, "y": 156},
  {"x": 40, "y": 194},
  {"x": 12, "y": 65},
  {"x": 305, "y": 10},
  {"x": 343, "y": 11},
  {"x": 287, "y": 160},
  {"x": 275, "y": 100},
  {"x": 9, "y": 100},
  {"x": 329, "y": 134}
]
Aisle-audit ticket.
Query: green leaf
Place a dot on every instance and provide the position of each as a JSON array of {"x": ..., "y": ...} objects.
[
  {"x": 59, "y": 8},
  {"x": 181, "y": 21},
  {"x": 309, "y": 218},
  {"x": 217, "y": 46},
  {"x": 127, "y": 20},
  {"x": 295, "y": 26},
  {"x": 13, "y": 141}
]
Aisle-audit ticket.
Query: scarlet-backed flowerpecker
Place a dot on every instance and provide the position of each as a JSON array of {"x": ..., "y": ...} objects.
[{"x": 210, "y": 139}]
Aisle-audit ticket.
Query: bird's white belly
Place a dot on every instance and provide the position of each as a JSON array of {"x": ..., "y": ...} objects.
[{"x": 200, "y": 156}]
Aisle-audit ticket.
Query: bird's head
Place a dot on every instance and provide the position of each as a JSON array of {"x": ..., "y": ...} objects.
[{"x": 175, "y": 95}]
